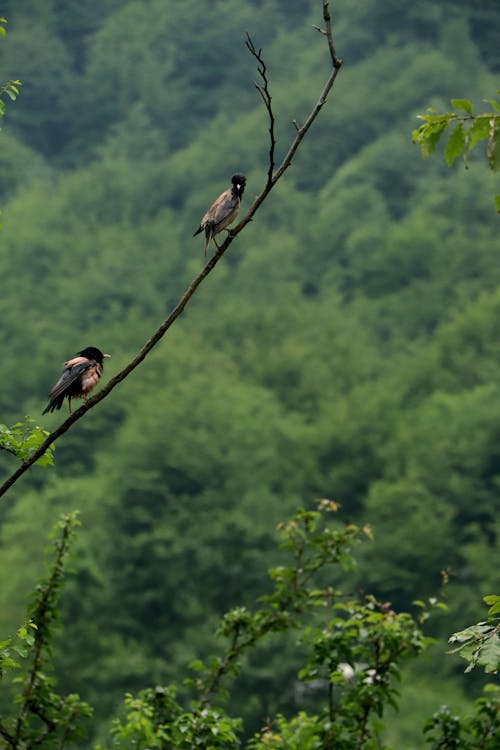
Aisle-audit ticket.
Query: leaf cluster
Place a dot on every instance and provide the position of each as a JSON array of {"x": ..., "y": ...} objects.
[
  {"x": 479, "y": 644},
  {"x": 464, "y": 133},
  {"x": 448, "y": 731},
  {"x": 23, "y": 438},
  {"x": 11, "y": 88},
  {"x": 154, "y": 719}
]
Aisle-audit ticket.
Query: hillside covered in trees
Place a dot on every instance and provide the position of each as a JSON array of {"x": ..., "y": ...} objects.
[{"x": 346, "y": 346}]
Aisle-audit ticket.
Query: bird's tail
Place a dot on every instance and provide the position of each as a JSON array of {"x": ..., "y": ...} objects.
[
  {"x": 54, "y": 404},
  {"x": 209, "y": 235}
]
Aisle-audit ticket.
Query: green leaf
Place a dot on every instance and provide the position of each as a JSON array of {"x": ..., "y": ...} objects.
[
  {"x": 455, "y": 145},
  {"x": 427, "y": 136},
  {"x": 197, "y": 666},
  {"x": 489, "y": 656},
  {"x": 493, "y": 601},
  {"x": 494, "y": 104},
  {"x": 497, "y": 203},
  {"x": 479, "y": 130},
  {"x": 462, "y": 104}
]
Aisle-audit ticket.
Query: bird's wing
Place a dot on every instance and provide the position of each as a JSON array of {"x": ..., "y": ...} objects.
[
  {"x": 70, "y": 374},
  {"x": 223, "y": 210}
]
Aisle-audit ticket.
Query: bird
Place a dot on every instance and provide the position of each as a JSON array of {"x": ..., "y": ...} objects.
[
  {"x": 79, "y": 377},
  {"x": 223, "y": 211}
]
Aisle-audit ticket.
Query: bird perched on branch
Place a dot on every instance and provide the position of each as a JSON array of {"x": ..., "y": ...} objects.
[
  {"x": 223, "y": 211},
  {"x": 79, "y": 377}
]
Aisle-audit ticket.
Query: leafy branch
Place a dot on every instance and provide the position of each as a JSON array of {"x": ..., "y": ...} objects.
[
  {"x": 274, "y": 175},
  {"x": 465, "y": 130},
  {"x": 23, "y": 438},
  {"x": 42, "y": 714},
  {"x": 480, "y": 643},
  {"x": 11, "y": 88}
]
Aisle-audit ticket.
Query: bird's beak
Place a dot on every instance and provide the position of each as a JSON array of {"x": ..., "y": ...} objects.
[{"x": 106, "y": 355}]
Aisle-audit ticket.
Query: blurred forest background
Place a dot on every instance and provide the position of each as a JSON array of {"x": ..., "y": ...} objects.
[{"x": 345, "y": 347}]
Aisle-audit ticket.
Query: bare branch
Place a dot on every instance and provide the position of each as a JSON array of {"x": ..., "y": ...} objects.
[
  {"x": 328, "y": 33},
  {"x": 266, "y": 98},
  {"x": 272, "y": 178}
]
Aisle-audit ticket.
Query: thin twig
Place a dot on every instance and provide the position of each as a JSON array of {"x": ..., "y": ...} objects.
[
  {"x": 272, "y": 178},
  {"x": 328, "y": 33},
  {"x": 267, "y": 99}
]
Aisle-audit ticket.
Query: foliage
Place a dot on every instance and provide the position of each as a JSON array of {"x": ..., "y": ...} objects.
[
  {"x": 11, "y": 88},
  {"x": 466, "y": 132},
  {"x": 355, "y": 650},
  {"x": 480, "y": 644},
  {"x": 447, "y": 731},
  {"x": 23, "y": 438},
  {"x": 38, "y": 715},
  {"x": 154, "y": 719}
]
